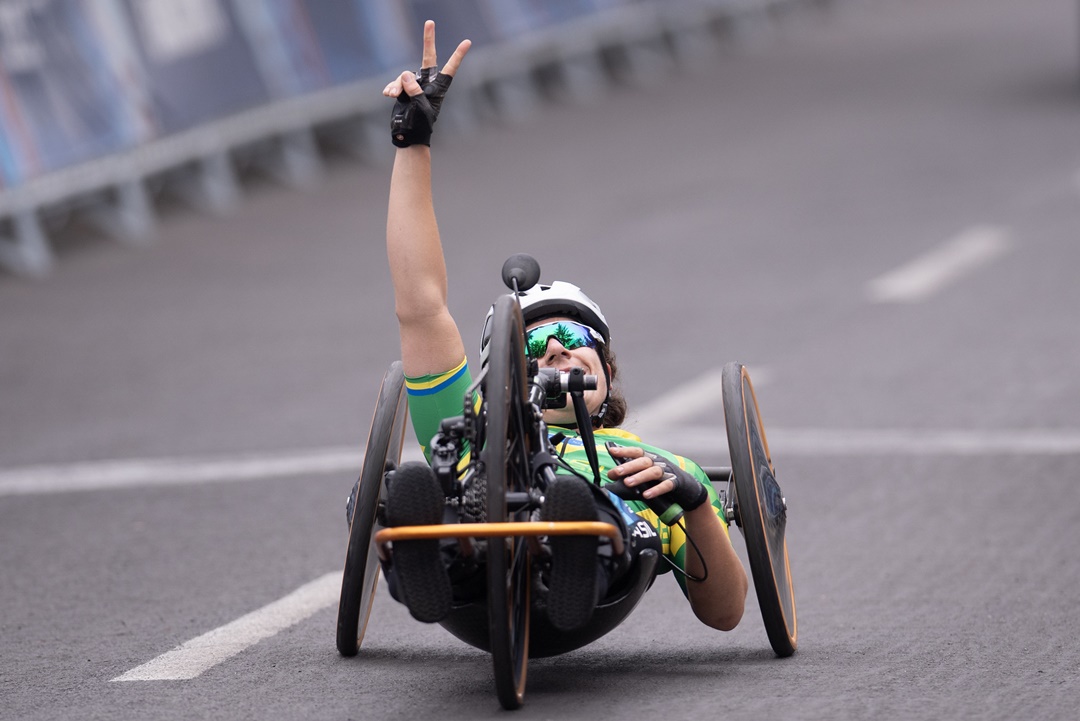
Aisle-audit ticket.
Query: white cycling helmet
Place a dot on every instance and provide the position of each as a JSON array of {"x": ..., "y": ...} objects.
[{"x": 547, "y": 301}]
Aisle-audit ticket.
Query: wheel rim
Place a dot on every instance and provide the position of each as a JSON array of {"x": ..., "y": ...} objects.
[
  {"x": 772, "y": 510},
  {"x": 504, "y": 456},
  {"x": 361, "y": 575},
  {"x": 761, "y": 511}
]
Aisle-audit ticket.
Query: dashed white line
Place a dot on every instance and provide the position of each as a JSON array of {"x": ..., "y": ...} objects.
[
  {"x": 194, "y": 657},
  {"x": 925, "y": 275},
  {"x": 682, "y": 403}
]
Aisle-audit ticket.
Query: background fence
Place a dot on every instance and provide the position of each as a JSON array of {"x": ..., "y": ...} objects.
[{"x": 106, "y": 103}]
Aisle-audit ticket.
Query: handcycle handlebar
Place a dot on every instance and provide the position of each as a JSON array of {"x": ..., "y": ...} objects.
[
  {"x": 558, "y": 382},
  {"x": 550, "y": 386}
]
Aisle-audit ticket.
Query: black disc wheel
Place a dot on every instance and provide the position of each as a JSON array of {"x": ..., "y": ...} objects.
[
  {"x": 760, "y": 509},
  {"x": 506, "y": 465},
  {"x": 383, "y": 452}
]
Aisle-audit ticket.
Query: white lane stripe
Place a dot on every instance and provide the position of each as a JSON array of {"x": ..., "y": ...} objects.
[
  {"x": 139, "y": 473},
  {"x": 925, "y": 275},
  {"x": 688, "y": 440},
  {"x": 194, "y": 657},
  {"x": 675, "y": 407},
  {"x": 859, "y": 441},
  {"x": 684, "y": 402}
]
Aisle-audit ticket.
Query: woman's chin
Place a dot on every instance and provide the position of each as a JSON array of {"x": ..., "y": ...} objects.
[
  {"x": 563, "y": 416},
  {"x": 560, "y": 416}
]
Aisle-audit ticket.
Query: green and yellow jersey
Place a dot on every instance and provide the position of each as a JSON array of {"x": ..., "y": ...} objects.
[{"x": 433, "y": 398}]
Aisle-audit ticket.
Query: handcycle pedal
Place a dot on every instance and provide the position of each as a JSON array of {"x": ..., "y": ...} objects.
[
  {"x": 415, "y": 498},
  {"x": 574, "y": 583}
]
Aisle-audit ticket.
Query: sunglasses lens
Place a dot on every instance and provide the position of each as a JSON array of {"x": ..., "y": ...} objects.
[{"x": 571, "y": 335}]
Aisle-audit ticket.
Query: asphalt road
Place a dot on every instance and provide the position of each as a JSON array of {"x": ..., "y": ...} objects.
[{"x": 739, "y": 209}]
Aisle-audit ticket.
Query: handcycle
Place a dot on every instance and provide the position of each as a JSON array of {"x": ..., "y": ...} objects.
[{"x": 496, "y": 499}]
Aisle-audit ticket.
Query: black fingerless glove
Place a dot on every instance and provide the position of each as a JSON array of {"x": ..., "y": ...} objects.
[
  {"x": 689, "y": 491},
  {"x": 414, "y": 116},
  {"x": 688, "y": 494}
]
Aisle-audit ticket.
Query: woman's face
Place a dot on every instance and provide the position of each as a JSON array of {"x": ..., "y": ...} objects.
[{"x": 560, "y": 358}]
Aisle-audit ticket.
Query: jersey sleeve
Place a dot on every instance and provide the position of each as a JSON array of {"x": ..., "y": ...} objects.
[{"x": 433, "y": 398}]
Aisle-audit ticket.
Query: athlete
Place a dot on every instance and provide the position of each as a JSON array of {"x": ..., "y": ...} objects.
[{"x": 564, "y": 329}]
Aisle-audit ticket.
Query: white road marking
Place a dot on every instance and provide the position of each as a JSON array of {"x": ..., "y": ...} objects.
[
  {"x": 684, "y": 402},
  {"x": 887, "y": 441},
  {"x": 196, "y": 656},
  {"x": 141, "y": 473},
  {"x": 925, "y": 275},
  {"x": 687, "y": 440},
  {"x": 193, "y": 658}
]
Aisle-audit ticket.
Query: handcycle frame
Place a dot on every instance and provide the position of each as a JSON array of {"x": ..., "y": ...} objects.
[{"x": 516, "y": 462}]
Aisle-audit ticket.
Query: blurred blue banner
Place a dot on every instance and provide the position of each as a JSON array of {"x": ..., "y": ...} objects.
[
  {"x": 455, "y": 21},
  {"x": 305, "y": 45},
  {"x": 195, "y": 60},
  {"x": 62, "y": 100},
  {"x": 83, "y": 79},
  {"x": 521, "y": 16}
]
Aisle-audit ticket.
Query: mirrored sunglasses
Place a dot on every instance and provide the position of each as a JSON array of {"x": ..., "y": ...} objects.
[{"x": 570, "y": 335}]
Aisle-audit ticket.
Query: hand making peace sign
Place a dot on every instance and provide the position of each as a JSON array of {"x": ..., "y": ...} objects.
[
  {"x": 408, "y": 80},
  {"x": 419, "y": 97}
]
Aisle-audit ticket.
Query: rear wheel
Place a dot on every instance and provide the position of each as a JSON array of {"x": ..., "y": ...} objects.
[
  {"x": 760, "y": 509},
  {"x": 361, "y": 559},
  {"x": 506, "y": 465}
]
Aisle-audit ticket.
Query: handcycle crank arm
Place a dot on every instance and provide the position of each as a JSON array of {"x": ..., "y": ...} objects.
[
  {"x": 722, "y": 474},
  {"x": 489, "y": 530}
]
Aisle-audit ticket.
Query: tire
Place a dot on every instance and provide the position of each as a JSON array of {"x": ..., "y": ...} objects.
[
  {"x": 383, "y": 452},
  {"x": 505, "y": 463},
  {"x": 760, "y": 509}
]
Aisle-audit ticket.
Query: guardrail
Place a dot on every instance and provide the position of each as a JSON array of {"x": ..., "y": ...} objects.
[{"x": 103, "y": 102}]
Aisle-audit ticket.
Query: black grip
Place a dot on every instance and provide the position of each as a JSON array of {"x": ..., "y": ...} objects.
[{"x": 668, "y": 511}]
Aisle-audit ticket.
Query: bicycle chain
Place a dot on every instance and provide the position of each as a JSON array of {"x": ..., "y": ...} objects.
[{"x": 474, "y": 501}]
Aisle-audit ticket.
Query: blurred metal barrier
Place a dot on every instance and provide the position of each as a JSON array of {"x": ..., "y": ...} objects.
[{"x": 103, "y": 104}]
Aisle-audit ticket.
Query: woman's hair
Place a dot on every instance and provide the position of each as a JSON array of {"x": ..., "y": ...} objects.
[{"x": 616, "y": 402}]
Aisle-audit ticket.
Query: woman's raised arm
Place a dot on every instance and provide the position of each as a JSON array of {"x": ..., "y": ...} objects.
[{"x": 430, "y": 340}]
